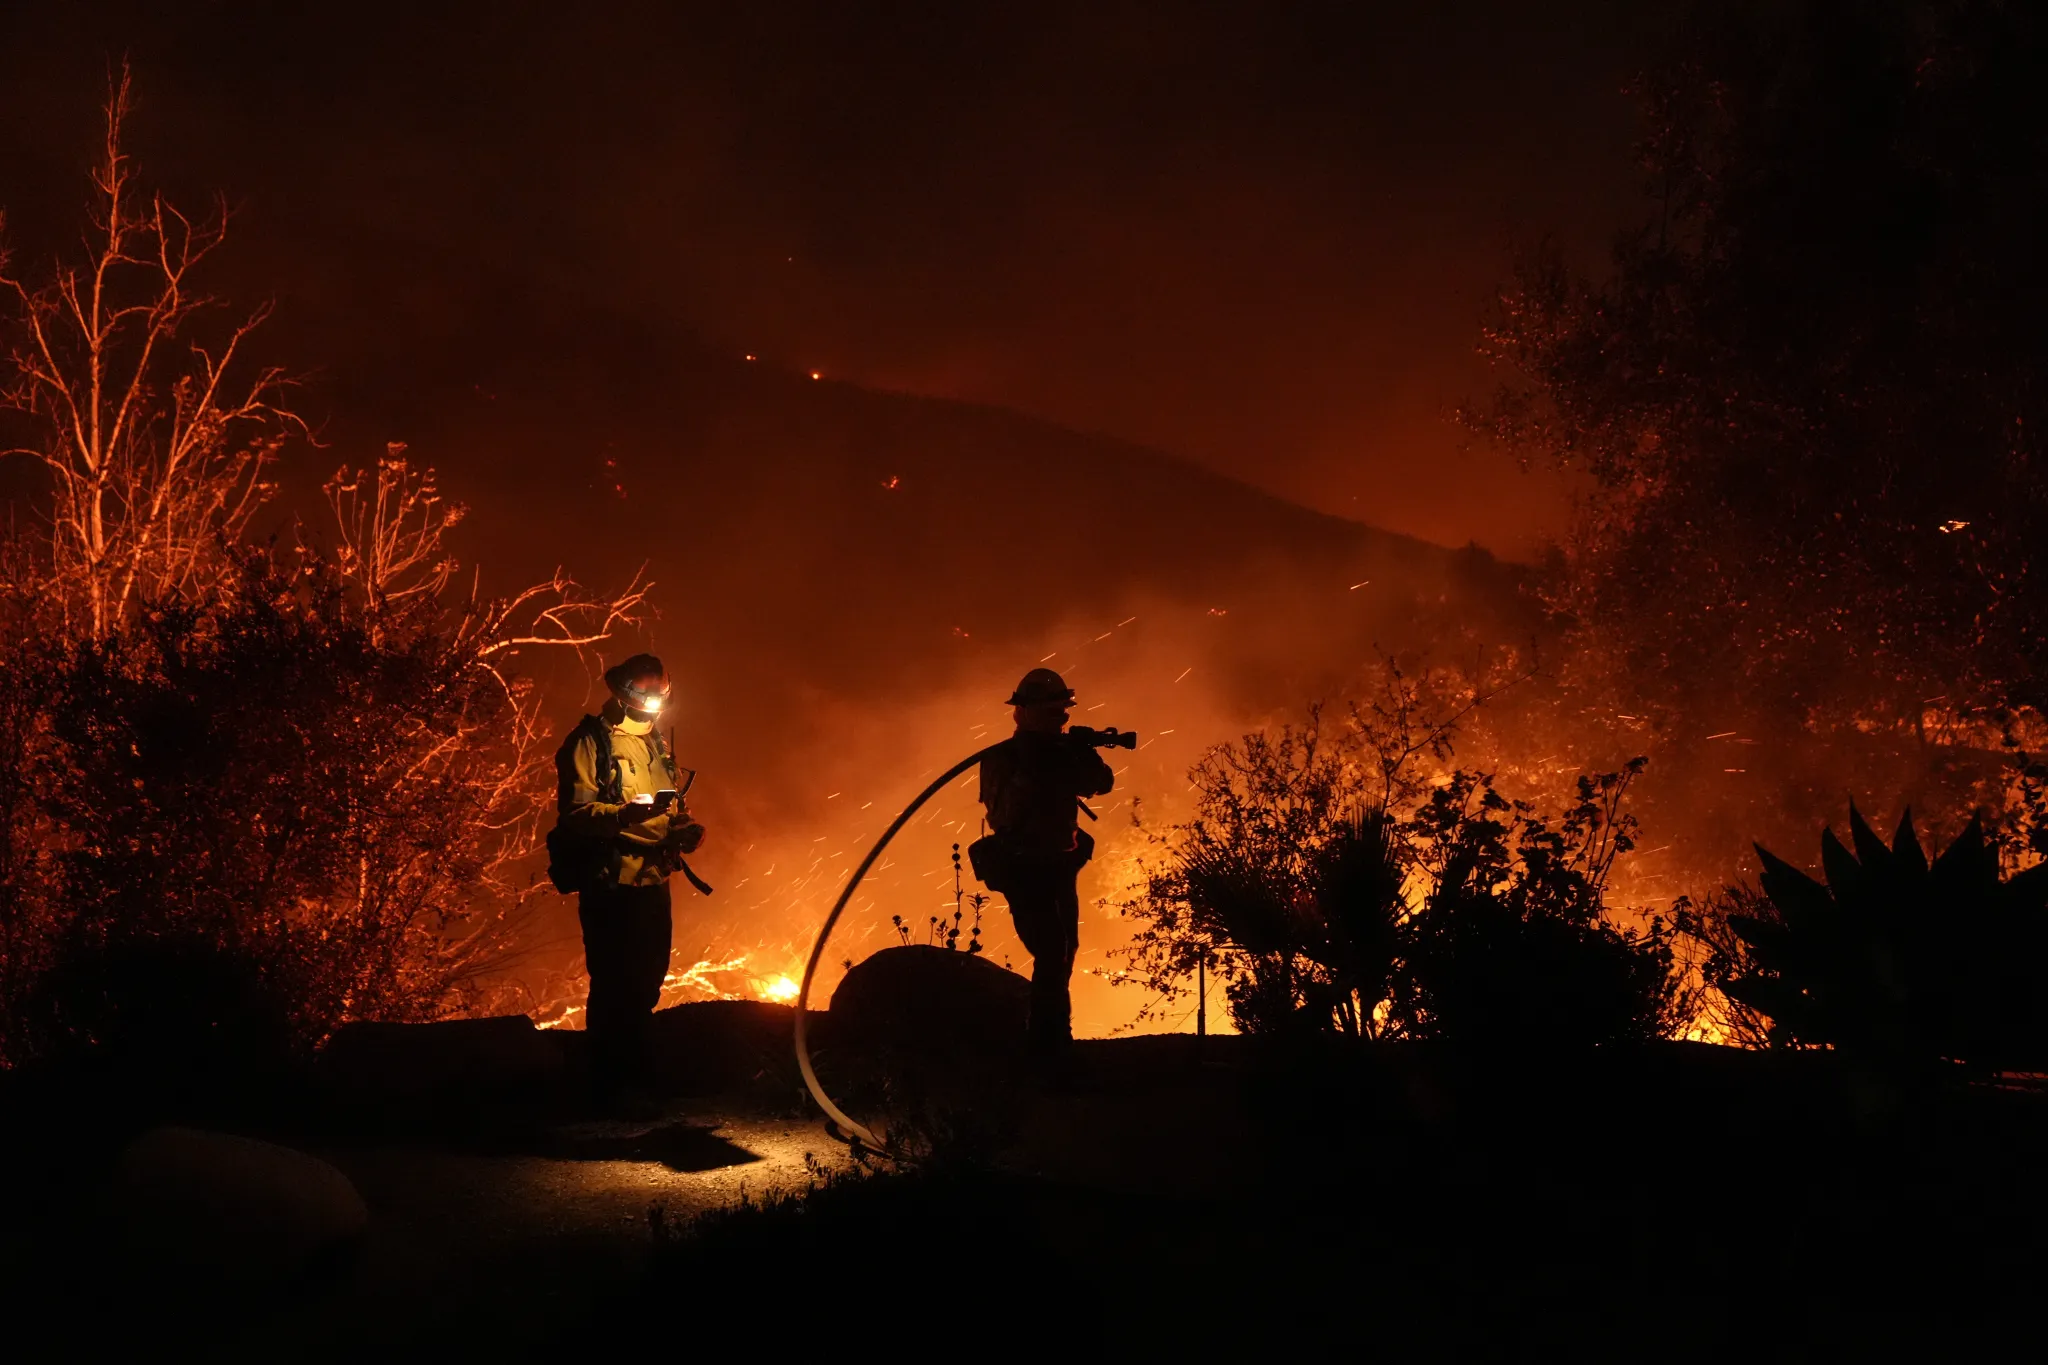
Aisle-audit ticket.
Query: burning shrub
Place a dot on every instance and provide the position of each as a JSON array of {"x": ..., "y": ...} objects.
[
  {"x": 313, "y": 782},
  {"x": 1332, "y": 885},
  {"x": 244, "y": 792},
  {"x": 1717, "y": 956},
  {"x": 172, "y": 1008},
  {"x": 1513, "y": 941},
  {"x": 30, "y": 841},
  {"x": 299, "y": 787},
  {"x": 1813, "y": 467},
  {"x": 1314, "y": 936},
  {"x": 1270, "y": 884}
]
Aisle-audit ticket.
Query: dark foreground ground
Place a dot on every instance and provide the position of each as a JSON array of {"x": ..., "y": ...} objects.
[{"x": 1676, "y": 1203}]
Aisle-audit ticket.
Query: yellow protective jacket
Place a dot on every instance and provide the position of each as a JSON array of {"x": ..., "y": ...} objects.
[{"x": 643, "y": 767}]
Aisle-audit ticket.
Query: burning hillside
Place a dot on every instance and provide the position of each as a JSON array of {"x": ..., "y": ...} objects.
[{"x": 849, "y": 582}]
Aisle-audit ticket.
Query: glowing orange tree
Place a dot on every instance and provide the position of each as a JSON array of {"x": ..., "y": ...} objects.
[
  {"x": 249, "y": 791},
  {"x": 154, "y": 429}
]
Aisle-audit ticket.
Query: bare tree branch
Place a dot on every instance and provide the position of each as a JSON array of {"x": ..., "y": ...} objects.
[{"x": 155, "y": 437}]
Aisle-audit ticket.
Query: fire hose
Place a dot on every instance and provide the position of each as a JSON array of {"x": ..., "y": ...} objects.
[
  {"x": 1111, "y": 738},
  {"x": 833, "y": 1112}
]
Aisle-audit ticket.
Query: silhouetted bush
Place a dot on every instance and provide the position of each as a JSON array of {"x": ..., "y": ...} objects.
[
  {"x": 1480, "y": 971},
  {"x": 266, "y": 818},
  {"x": 1331, "y": 884},
  {"x": 173, "y": 1009},
  {"x": 301, "y": 797},
  {"x": 1512, "y": 942},
  {"x": 1717, "y": 956},
  {"x": 1900, "y": 961},
  {"x": 292, "y": 787}
]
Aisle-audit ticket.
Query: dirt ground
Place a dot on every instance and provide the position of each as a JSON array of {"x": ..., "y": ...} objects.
[
  {"x": 1496, "y": 1190},
  {"x": 469, "y": 1253},
  {"x": 495, "y": 1253}
]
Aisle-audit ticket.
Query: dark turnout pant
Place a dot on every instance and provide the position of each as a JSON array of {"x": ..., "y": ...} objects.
[
  {"x": 626, "y": 933},
  {"x": 1046, "y": 907}
]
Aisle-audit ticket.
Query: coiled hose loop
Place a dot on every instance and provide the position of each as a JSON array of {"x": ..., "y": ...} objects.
[{"x": 803, "y": 1051}]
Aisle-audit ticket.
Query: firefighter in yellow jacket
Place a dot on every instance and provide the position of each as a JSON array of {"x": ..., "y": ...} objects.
[{"x": 622, "y": 822}]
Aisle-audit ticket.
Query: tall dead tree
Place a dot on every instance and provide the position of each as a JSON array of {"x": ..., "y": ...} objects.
[
  {"x": 331, "y": 768},
  {"x": 153, "y": 429},
  {"x": 487, "y": 743}
]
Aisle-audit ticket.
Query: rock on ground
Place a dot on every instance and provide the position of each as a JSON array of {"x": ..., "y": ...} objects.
[
  {"x": 228, "y": 1211},
  {"x": 920, "y": 996},
  {"x": 453, "y": 1064},
  {"x": 709, "y": 1046}
]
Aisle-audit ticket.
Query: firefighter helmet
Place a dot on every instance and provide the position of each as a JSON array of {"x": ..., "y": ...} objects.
[
  {"x": 640, "y": 684},
  {"x": 1042, "y": 687}
]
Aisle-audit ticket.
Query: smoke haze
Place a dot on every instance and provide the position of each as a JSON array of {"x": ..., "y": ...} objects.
[{"x": 537, "y": 247}]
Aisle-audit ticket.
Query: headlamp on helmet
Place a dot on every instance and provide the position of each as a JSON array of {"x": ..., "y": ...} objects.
[{"x": 640, "y": 684}]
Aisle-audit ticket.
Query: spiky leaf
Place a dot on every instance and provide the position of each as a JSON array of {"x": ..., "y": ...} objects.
[
  {"x": 1870, "y": 850},
  {"x": 1970, "y": 863},
  {"x": 1846, "y": 878},
  {"x": 1907, "y": 854},
  {"x": 1905, "y": 962},
  {"x": 1800, "y": 900},
  {"x": 1771, "y": 939}
]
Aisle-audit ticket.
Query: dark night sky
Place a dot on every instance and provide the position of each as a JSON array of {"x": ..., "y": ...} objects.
[{"x": 1259, "y": 235}]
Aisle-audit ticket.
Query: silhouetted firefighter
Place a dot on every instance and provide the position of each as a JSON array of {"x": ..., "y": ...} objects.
[
  {"x": 1032, "y": 785},
  {"x": 621, "y": 828}
]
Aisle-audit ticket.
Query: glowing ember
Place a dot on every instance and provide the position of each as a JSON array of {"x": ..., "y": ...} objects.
[
  {"x": 708, "y": 979},
  {"x": 561, "y": 1020}
]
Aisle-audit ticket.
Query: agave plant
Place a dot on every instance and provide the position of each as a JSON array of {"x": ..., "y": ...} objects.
[
  {"x": 1318, "y": 928},
  {"x": 1241, "y": 898},
  {"x": 1900, "y": 959},
  {"x": 1355, "y": 889}
]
